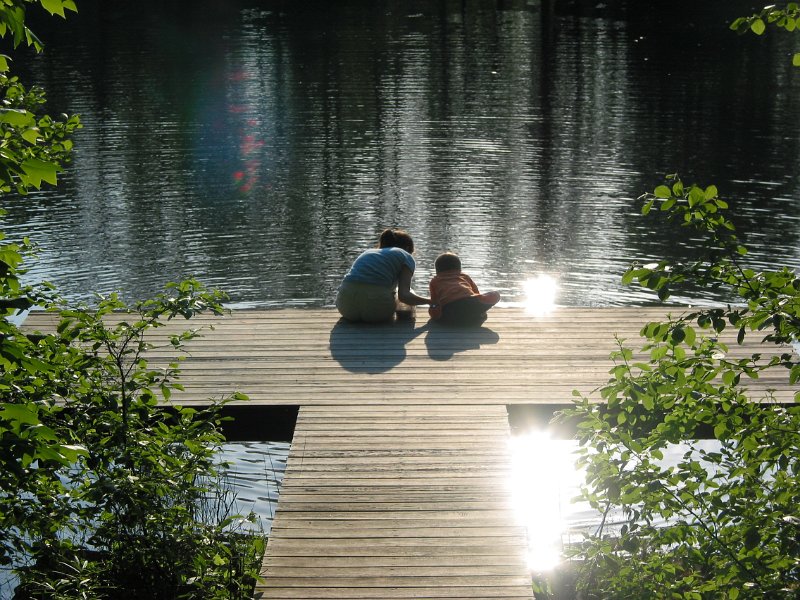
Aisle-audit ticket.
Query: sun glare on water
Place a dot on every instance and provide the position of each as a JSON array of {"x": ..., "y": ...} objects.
[
  {"x": 543, "y": 481},
  {"x": 540, "y": 294}
]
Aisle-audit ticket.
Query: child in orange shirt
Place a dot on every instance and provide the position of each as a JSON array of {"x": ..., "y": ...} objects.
[{"x": 455, "y": 299}]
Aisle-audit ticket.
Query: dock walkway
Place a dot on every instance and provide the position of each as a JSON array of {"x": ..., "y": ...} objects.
[{"x": 396, "y": 483}]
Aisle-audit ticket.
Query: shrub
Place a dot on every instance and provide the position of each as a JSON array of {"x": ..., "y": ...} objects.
[
  {"x": 721, "y": 523},
  {"x": 103, "y": 488}
]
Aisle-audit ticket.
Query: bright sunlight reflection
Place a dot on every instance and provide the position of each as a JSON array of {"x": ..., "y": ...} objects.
[
  {"x": 543, "y": 481},
  {"x": 540, "y": 294}
]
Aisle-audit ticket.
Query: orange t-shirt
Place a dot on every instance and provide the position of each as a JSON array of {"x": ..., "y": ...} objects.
[{"x": 450, "y": 286}]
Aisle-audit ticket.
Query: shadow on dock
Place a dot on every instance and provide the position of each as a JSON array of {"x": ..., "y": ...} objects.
[
  {"x": 443, "y": 342},
  {"x": 372, "y": 348},
  {"x": 378, "y": 348}
]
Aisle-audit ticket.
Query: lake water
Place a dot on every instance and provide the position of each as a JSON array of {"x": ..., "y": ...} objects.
[
  {"x": 260, "y": 146},
  {"x": 255, "y": 474}
]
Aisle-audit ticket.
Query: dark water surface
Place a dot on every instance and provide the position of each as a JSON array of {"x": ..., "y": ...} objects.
[
  {"x": 259, "y": 146},
  {"x": 255, "y": 473}
]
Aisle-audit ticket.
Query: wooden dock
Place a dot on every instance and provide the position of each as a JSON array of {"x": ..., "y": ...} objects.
[
  {"x": 396, "y": 484},
  {"x": 306, "y": 357}
]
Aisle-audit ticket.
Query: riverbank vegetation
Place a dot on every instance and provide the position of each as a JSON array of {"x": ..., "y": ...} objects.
[
  {"x": 721, "y": 521},
  {"x": 106, "y": 494},
  {"x": 103, "y": 494}
]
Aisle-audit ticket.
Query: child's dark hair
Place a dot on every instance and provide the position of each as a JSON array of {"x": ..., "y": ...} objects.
[
  {"x": 447, "y": 262},
  {"x": 396, "y": 238}
]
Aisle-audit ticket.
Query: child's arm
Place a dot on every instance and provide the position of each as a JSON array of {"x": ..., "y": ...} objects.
[
  {"x": 435, "y": 311},
  {"x": 472, "y": 284},
  {"x": 404, "y": 293}
]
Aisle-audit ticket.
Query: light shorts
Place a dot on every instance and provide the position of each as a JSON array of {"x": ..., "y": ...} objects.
[{"x": 365, "y": 302}]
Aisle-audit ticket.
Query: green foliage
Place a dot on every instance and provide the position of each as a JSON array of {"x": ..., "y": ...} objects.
[
  {"x": 32, "y": 148},
  {"x": 33, "y": 145},
  {"x": 12, "y": 19},
  {"x": 99, "y": 481},
  {"x": 720, "y": 523},
  {"x": 785, "y": 19}
]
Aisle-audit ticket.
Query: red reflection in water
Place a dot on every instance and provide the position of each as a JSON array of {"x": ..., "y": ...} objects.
[{"x": 249, "y": 176}]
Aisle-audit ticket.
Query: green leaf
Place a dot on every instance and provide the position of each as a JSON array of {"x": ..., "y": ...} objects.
[
  {"x": 737, "y": 24},
  {"x": 658, "y": 353},
  {"x": 56, "y": 7},
  {"x": 711, "y": 192},
  {"x": 696, "y": 196},
  {"x": 796, "y": 60},
  {"x": 749, "y": 443},
  {"x": 21, "y": 413},
  {"x": 794, "y": 374},
  {"x": 627, "y": 277},
  {"x": 72, "y": 451},
  {"x": 662, "y": 191},
  {"x": 17, "y": 118},
  {"x": 38, "y": 170},
  {"x": 31, "y": 135},
  {"x": 758, "y": 27}
]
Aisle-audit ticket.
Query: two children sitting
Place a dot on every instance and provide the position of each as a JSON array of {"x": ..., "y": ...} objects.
[{"x": 455, "y": 299}]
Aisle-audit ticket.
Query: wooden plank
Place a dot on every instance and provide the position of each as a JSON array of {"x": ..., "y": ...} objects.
[
  {"x": 468, "y": 564},
  {"x": 414, "y": 505},
  {"x": 416, "y": 472},
  {"x": 452, "y": 593},
  {"x": 362, "y": 525},
  {"x": 442, "y": 516},
  {"x": 423, "y": 569},
  {"x": 350, "y": 524},
  {"x": 441, "y": 547},
  {"x": 367, "y": 581}
]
